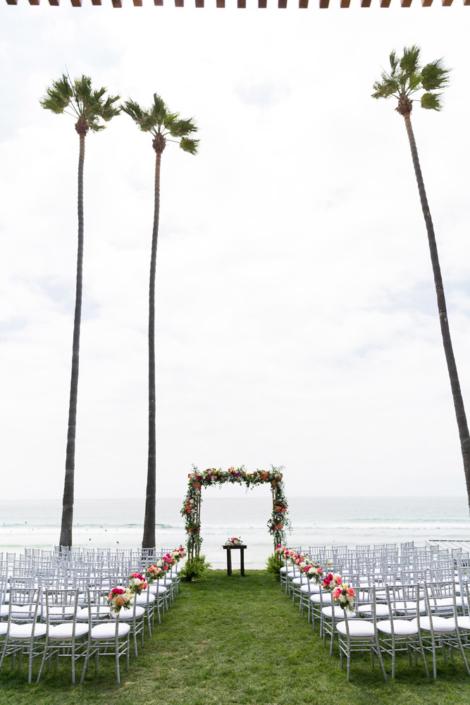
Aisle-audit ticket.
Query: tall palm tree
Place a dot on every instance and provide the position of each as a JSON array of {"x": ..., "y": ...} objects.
[
  {"x": 164, "y": 127},
  {"x": 405, "y": 79},
  {"x": 78, "y": 99}
]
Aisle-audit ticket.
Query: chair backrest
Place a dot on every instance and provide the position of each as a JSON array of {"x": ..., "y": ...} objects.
[
  {"x": 404, "y": 601},
  {"x": 440, "y": 599},
  {"x": 23, "y": 603},
  {"x": 60, "y": 605}
]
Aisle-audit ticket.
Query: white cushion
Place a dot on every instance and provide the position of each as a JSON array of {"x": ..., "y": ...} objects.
[
  {"x": 161, "y": 589},
  {"x": 339, "y": 613},
  {"x": 409, "y": 607},
  {"x": 82, "y": 615},
  {"x": 463, "y": 622},
  {"x": 314, "y": 589},
  {"x": 108, "y": 631},
  {"x": 64, "y": 631},
  {"x": 358, "y": 628},
  {"x": 380, "y": 610},
  {"x": 299, "y": 581},
  {"x": 440, "y": 624},
  {"x": 129, "y": 614},
  {"x": 25, "y": 631},
  {"x": 325, "y": 598},
  {"x": 287, "y": 570},
  {"x": 61, "y": 612},
  {"x": 20, "y": 612},
  {"x": 3, "y": 628},
  {"x": 401, "y": 627},
  {"x": 4, "y": 610},
  {"x": 142, "y": 599}
]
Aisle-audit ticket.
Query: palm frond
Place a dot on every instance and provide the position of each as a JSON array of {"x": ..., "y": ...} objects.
[
  {"x": 409, "y": 62},
  {"x": 394, "y": 61},
  {"x": 385, "y": 88},
  {"x": 182, "y": 128},
  {"x": 435, "y": 76},
  {"x": 159, "y": 111},
  {"x": 58, "y": 97},
  {"x": 431, "y": 101},
  {"x": 189, "y": 145}
]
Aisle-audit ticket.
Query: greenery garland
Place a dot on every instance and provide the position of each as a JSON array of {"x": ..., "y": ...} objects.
[{"x": 191, "y": 509}]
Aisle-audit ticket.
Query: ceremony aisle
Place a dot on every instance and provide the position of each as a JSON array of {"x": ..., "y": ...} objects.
[{"x": 236, "y": 641}]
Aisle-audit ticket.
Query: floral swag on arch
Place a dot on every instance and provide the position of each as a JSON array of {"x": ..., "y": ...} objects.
[{"x": 191, "y": 510}]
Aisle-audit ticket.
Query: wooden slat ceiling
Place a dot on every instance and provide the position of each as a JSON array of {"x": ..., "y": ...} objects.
[{"x": 262, "y": 4}]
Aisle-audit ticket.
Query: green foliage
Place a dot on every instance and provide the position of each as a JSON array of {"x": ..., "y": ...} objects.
[
  {"x": 431, "y": 101},
  {"x": 78, "y": 95},
  {"x": 195, "y": 569},
  {"x": 274, "y": 565},
  {"x": 406, "y": 77},
  {"x": 158, "y": 120}
]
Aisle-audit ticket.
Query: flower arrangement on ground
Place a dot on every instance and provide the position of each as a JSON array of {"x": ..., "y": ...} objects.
[
  {"x": 343, "y": 596},
  {"x": 234, "y": 542},
  {"x": 331, "y": 581},
  {"x": 119, "y": 598},
  {"x": 137, "y": 583}
]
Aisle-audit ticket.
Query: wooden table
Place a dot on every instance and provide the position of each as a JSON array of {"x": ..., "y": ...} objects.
[{"x": 229, "y": 550}]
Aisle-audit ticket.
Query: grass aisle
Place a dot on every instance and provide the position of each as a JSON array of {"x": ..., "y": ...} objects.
[{"x": 237, "y": 641}]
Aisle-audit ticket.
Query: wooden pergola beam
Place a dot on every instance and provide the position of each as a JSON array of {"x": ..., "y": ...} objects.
[
  {"x": 137, "y": 3},
  {"x": 241, "y": 4},
  {"x": 324, "y": 4},
  {"x": 199, "y": 3},
  {"x": 12, "y": 2}
]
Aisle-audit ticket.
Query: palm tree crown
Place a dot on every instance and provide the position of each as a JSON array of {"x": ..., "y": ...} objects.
[
  {"x": 407, "y": 78},
  {"x": 163, "y": 125},
  {"x": 87, "y": 105}
]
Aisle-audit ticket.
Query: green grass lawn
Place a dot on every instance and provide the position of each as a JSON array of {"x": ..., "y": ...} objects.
[{"x": 237, "y": 640}]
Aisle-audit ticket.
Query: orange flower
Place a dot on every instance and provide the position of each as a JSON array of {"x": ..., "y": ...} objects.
[
  {"x": 197, "y": 485},
  {"x": 273, "y": 483},
  {"x": 264, "y": 475},
  {"x": 280, "y": 526}
]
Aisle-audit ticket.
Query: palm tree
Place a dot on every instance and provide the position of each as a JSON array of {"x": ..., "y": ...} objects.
[
  {"x": 78, "y": 99},
  {"x": 405, "y": 79},
  {"x": 163, "y": 126}
]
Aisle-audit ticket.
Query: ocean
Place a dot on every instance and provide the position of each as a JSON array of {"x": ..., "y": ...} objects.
[{"x": 315, "y": 520}]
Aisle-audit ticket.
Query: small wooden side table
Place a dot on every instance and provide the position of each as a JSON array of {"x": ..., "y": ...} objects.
[{"x": 229, "y": 550}]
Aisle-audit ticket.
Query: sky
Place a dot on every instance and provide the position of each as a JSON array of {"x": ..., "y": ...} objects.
[{"x": 296, "y": 315}]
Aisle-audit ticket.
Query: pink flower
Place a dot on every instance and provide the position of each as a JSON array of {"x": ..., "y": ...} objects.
[
  {"x": 336, "y": 593},
  {"x": 351, "y": 591}
]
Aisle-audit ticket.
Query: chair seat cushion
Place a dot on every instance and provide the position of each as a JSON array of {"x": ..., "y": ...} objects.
[
  {"x": 101, "y": 612},
  {"x": 463, "y": 622},
  {"x": 3, "y": 628},
  {"x": 409, "y": 607},
  {"x": 358, "y": 629},
  {"x": 314, "y": 589},
  {"x": 64, "y": 631},
  {"x": 108, "y": 631},
  {"x": 300, "y": 581},
  {"x": 401, "y": 627},
  {"x": 324, "y": 597},
  {"x": 286, "y": 570},
  {"x": 128, "y": 615},
  {"x": 60, "y": 612},
  {"x": 19, "y": 612},
  {"x": 25, "y": 631},
  {"x": 380, "y": 610},
  {"x": 339, "y": 613},
  {"x": 440, "y": 624},
  {"x": 4, "y": 610},
  {"x": 156, "y": 588},
  {"x": 142, "y": 599}
]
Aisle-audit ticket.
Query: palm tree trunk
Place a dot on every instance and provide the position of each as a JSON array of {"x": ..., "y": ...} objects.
[
  {"x": 441, "y": 304},
  {"x": 67, "y": 502},
  {"x": 148, "y": 540}
]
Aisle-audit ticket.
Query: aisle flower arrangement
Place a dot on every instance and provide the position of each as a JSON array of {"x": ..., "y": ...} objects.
[
  {"x": 154, "y": 572},
  {"x": 234, "y": 542},
  {"x": 343, "y": 596},
  {"x": 137, "y": 583},
  {"x": 119, "y": 598},
  {"x": 191, "y": 509},
  {"x": 331, "y": 581},
  {"x": 313, "y": 571}
]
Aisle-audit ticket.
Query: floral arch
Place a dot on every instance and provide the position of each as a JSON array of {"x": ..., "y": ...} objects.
[{"x": 191, "y": 510}]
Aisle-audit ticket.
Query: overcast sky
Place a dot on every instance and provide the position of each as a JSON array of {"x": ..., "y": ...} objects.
[{"x": 296, "y": 315}]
